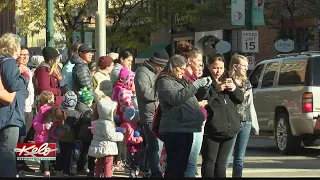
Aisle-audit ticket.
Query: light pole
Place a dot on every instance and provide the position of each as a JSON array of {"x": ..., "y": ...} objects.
[
  {"x": 49, "y": 24},
  {"x": 101, "y": 30}
]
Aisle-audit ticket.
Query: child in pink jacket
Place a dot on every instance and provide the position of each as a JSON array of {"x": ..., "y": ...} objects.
[{"x": 132, "y": 139}]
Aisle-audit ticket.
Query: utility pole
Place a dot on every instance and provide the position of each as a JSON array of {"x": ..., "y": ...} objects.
[
  {"x": 249, "y": 15},
  {"x": 49, "y": 23},
  {"x": 101, "y": 31}
]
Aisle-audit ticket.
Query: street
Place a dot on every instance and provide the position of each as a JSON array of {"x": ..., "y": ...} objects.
[{"x": 263, "y": 160}]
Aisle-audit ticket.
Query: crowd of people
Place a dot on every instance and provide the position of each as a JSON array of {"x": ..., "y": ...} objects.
[{"x": 102, "y": 115}]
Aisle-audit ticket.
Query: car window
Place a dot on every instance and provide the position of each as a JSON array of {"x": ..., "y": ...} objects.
[
  {"x": 255, "y": 76},
  {"x": 269, "y": 74},
  {"x": 292, "y": 72}
]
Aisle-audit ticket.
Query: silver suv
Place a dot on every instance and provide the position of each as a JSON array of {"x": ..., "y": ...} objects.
[{"x": 287, "y": 99}]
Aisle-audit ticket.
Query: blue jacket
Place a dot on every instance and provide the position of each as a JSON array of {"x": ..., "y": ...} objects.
[{"x": 13, "y": 81}]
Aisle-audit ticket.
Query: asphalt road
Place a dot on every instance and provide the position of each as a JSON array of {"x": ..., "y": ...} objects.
[{"x": 262, "y": 160}]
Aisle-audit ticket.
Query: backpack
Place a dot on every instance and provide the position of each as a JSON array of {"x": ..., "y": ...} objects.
[{"x": 156, "y": 122}]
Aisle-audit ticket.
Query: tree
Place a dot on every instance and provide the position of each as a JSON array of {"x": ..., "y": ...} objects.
[
  {"x": 292, "y": 10},
  {"x": 31, "y": 16}
]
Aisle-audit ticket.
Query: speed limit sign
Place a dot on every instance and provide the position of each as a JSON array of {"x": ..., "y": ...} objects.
[{"x": 250, "y": 41}]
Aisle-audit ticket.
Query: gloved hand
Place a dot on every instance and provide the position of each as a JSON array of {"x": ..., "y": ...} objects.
[
  {"x": 120, "y": 129},
  {"x": 136, "y": 134},
  {"x": 48, "y": 125},
  {"x": 202, "y": 82}
]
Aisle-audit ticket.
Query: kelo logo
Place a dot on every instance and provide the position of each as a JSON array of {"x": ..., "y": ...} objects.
[
  {"x": 257, "y": 3},
  {"x": 36, "y": 151}
]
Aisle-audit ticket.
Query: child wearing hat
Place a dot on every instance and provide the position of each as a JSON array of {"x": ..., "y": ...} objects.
[
  {"x": 67, "y": 141},
  {"x": 132, "y": 139},
  {"x": 83, "y": 132}
]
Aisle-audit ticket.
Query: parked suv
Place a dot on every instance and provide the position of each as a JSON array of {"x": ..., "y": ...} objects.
[{"x": 286, "y": 94}]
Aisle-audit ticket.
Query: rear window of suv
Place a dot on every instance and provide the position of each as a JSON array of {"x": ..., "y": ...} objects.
[
  {"x": 315, "y": 71},
  {"x": 293, "y": 72}
]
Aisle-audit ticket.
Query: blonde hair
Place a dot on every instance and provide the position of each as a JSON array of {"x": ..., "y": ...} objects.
[
  {"x": 235, "y": 60},
  {"x": 9, "y": 44},
  {"x": 54, "y": 67}
]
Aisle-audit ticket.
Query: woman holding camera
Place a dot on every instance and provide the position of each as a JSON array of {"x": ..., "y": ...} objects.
[{"x": 223, "y": 121}]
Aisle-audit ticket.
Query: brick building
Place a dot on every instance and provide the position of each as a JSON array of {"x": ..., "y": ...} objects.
[{"x": 222, "y": 29}]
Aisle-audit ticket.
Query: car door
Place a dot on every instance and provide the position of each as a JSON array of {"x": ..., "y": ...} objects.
[
  {"x": 255, "y": 80},
  {"x": 267, "y": 95}
]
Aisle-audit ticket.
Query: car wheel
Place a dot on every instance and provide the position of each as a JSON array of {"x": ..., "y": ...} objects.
[{"x": 286, "y": 142}]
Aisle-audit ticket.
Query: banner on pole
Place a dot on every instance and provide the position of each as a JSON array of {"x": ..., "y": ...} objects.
[
  {"x": 238, "y": 12},
  {"x": 258, "y": 13}
]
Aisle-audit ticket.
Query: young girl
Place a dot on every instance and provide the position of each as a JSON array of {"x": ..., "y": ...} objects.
[
  {"x": 248, "y": 117},
  {"x": 132, "y": 139},
  {"x": 103, "y": 146},
  {"x": 46, "y": 118}
]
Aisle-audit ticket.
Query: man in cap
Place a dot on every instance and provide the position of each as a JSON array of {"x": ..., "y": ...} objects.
[
  {"x": 81, "y": 75},
  {"x": 147, "y": 103}
]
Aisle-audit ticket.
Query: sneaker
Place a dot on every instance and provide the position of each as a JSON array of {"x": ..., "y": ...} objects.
[
  {"x": 24, "y": 167},
  {"x": 118, "y": 169},
  {"x": 83, "y": 171},
  {"x": 140, "y": 174},
  {"x": 46, "y": 174}
]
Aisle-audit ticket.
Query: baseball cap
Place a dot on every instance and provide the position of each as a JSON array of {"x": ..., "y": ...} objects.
[{"x": 86, "y": 48}]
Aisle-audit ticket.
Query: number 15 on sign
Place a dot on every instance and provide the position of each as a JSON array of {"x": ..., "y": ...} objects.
[{"x": 250, "y": 41}]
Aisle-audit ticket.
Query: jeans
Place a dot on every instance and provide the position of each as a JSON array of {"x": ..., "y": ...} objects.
[
  {"x": 215, "y": 152},
  {"x": 154, "y": 149},
  {"x": 239, "y": 149},
  {"x": 8, "y": 141},
  {"x": 193, "y": 158},
  {"x": 178, "y": 147}
]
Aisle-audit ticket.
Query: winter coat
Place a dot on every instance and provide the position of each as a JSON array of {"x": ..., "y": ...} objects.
[
  {"x": 41, "y": 133},
  {"x": 12, "y": 114},
  {"x": 146, "y": 96},
  {"x": 48, "y": 82},
  {"x": 105, "y": 136},
  {"x": 180, "y": 108},
  {"x": 223, "y": 118},
  {"x": 81, "y": 75}
]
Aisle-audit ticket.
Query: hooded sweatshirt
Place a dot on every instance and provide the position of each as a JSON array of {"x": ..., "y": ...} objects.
[
  {"x": 105, "y": 135},
  {"x": 115, "y": 73}
]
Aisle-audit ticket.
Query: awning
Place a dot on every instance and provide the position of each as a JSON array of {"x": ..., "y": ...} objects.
[{"x": 145, "y": 55}]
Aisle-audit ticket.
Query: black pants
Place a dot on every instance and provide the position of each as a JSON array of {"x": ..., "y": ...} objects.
[
  {"x": 64, "y": 159},
  {"x": 215, "y": 152},
  {"x": 122, "y": 151},
  {"x": 84, "y": 158},
  {"x": 178, "y": 147}
]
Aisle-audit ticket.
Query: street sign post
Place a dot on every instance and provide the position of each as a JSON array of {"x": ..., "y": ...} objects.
[{"x": 250, "y": 42}]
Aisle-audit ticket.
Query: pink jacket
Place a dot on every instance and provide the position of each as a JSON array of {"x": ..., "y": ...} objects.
[
  {"x": 41, "y": 133},
  {"x": 133, "y": 143}
]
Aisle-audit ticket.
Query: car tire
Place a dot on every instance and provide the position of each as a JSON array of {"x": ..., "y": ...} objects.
[{"x": 287, "y": 143}]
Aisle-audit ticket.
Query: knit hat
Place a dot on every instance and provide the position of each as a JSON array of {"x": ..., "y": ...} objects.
[
  {"x": 104, "y": 62},
  {"x": 113, "y": 55},
  {"x": 124, "y": 73},
  {"x": 160, "y": 57},
  {"x": 49, "y": 53},
  {"x": 86, "y": 96},
  {"x": 69, "y": 100},
  {"x": 130, "y": 114}
]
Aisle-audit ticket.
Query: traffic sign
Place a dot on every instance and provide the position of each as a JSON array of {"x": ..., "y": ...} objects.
[
  {"x": 250, "y": 41},
  {"x": 251, "y": 62}
]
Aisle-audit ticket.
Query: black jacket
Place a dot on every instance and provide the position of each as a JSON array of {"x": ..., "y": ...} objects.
[
  {"x": 223, "y": 119},
  {"x": 81, "y": 75},
  {"x": 83, "y": 133}
]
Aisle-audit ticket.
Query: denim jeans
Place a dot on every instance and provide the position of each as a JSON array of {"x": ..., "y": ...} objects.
[
  {"x": 154, "y": 149},
  {"x": 8, "y": 141},
  {"x": 195, "y": 151},
  {"x": 239, "y": 149}
]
